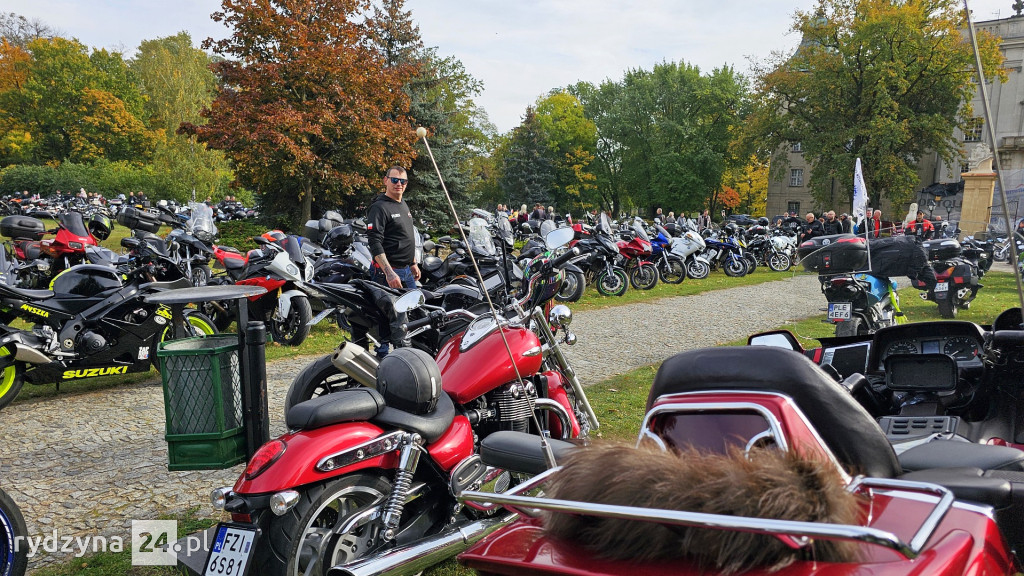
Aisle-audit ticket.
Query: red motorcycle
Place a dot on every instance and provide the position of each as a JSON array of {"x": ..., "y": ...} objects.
[
  {"x": 635, "y": 252},
  {"x": 959, "y": 512},
  {"x": 39, "y": 260},
  {"x": 372, "y": 471}
]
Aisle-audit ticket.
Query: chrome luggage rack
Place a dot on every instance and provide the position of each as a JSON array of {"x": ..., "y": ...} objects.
[{"x": 793, "y": 533}]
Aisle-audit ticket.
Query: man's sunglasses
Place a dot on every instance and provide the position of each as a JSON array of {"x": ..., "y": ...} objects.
[{"x": 402, "y": 181}]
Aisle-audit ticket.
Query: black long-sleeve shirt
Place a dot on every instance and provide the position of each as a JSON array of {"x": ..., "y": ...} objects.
[{"x": 389, "y": 231}]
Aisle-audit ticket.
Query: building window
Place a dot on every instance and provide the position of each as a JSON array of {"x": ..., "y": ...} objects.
[
  {"x": 796, "y": 177},
  {"x": 797, "y": 147},
  {"x": 972, "y": 131},
  {"x": 793, "y": 207}
]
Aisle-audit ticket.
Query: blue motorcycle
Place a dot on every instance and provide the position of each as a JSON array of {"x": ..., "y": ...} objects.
[
  {"x": 727, "y": 253},
  {"x": 671, "y": 268}
]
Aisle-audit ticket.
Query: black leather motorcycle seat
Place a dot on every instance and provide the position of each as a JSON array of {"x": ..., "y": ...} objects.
[
  {"x": 26, "y": 294},
  {"x": 848, "y": 430},
  {"x": 349, "y": 405},
  {"x": 431, "y": 426},
  {"x": 520, "y": 451},
  {"x": 955, "y": 454},
  {"x": 234, "y": 263},
  {"x": 968, "y": 483}
]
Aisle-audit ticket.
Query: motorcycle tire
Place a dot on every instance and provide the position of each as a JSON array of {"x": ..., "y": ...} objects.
[
  {"x": 321, "y": 507},
  {"x": 572, "y": 288},
  {"x": 947, "y": 307},
  {"x": 1000, "y": 255},
  {"x": 751, "y": 262},
  {"x": 674, "y": 272},
  {"x": 12, "y": 531},
  {"x": 697, "y": 270},
  {"x": 201, "y": 275},
  {"x": 779, "y": 262},
  {"x": 612, "y": 284},
  {"x": 644, "y": 276},
  {"x": 316, "y": 379},
  {"x": 12, "y": 378},
  {"x": 852, "y": 327},
  {"x": 735, "y": 267},
  {"x": 295, "y": 328}
]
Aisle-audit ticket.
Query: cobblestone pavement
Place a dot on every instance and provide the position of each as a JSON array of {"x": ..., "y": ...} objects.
[{"x": 87, "y": 464}]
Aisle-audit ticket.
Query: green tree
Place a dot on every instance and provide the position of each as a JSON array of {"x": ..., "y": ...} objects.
[
  {"x": 306, "y": 107},
  {"x": 176, "y": 81},
  {"x": 73, "y": 106},
  {"x": 527, "y": 173},
  {"x": 571, "y": 140},
  {"x": 876, "y": 79}
]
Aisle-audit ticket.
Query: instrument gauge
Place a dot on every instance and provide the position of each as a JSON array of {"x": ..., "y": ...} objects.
[
  {"x": 961, "y": 348},
  {"x": 902, "y": 347}
]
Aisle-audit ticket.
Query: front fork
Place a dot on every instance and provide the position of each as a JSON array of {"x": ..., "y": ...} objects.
[{"x": 547, "y": 338}]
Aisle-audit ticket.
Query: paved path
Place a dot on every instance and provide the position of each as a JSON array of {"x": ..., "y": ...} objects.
[{"x": 87, "y": 464}]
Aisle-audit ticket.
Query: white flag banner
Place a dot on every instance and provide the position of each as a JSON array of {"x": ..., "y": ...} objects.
[{"x": 860, "y": 193}]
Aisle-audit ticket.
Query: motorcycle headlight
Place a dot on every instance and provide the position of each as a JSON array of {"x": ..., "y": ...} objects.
[
  {"x": 292, "y": 269},
  {"x": 560, "y": 316},
  {"x": 308, "y": 272}
]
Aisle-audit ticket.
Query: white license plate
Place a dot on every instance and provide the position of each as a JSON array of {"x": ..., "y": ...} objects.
[
  {"x": 942, "y": 287},
  {"x": 839, "y": 310},
  {"x": 231, "y": 551}
]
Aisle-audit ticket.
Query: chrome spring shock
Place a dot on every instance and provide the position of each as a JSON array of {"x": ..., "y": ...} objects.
[{"x": 408, "y": 460}]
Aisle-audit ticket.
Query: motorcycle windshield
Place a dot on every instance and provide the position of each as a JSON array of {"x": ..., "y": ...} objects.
[
  {"x": 202, "y": 222},
  {"x": 546, "y": 227},
  {"x": 603, "y": 224},
  {"x": 640, "y": 232},
  {"x": 74, "y": 223},
  {"x": 291, "y": 246},
  {"x": 480, "y": 237},
  {"x": 505, "y": 231}
]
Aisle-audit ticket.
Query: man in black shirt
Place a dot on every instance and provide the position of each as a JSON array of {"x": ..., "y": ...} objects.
[
  {"x": 831, "y": 225},
  {"x": 389, "y": 231},
  {"x": 811, "y": 229}
]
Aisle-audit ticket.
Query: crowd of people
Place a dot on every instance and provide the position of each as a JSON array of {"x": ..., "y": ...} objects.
[{"x": 828, "y": 223}]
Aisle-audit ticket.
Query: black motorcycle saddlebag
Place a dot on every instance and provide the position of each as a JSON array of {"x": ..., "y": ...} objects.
[
  {"x": 835, "y": 253},
  {"x": 136, "y": 219},
  {"x": 942, "y": 248},
  {"x": 897, "y": 256},
  {"x": 22, "y": 227}
]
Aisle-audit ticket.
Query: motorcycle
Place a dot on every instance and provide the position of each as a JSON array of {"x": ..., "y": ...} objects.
[
  {"x": 634, "y": 253},
  {"x": 956, "y": 277},
  {"x": 90, "y": 323},
  {"x": 765, "y": 251},
  {"x": 189, "y": 243},
  {"x": 671, "y": 268},
  {"x": 13, "y": 538},
  {"x": 369, "y": 469},
  {"x": 39, "y": 260},
  {"x": 597, "y": 259},
  {"x": 762, "y": 401},
  {"x": 279, "y": 266},
  {"x": 722, "y": 250},
  {"x": 858, "y": 302}
]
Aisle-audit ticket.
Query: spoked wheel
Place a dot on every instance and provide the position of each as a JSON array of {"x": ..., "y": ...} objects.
[
  {"x": 306, "y": 540},
  {"x": 13, "y": 533},
  {"x": 319, "y": 378},
  {"x": 293, "y": 330},
  {"x": 672, "y": 272},
  {"x": 779, "y": 262},
  {"x": 644, "y": 276},
  {"x": 697, "y": 270},
  {"x": 751, "y": 262},
  {"x": 201, "y": 275},
  {"x": 612, "y": 283},
  {"x": 572, "y": 287}
]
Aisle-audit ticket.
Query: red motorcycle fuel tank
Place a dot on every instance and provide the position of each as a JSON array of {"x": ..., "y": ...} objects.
[{"x": 476, "y": 362}]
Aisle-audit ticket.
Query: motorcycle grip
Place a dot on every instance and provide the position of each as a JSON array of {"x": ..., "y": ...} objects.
[
  {"x": 417, "y": 323},
  {"x": 569, "y": 255}
]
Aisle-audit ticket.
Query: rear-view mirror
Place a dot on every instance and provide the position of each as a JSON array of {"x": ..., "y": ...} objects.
[
  {"x": 411, "y": 300},
  {"x": 776, "y": 339},
  {"x": 558, "y": 237}
]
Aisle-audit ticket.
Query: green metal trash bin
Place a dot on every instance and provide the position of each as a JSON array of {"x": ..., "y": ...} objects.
[{"x": 203, "y": 403}]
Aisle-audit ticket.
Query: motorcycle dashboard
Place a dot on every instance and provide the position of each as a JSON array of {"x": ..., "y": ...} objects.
[{"x": 961, "y": 340}]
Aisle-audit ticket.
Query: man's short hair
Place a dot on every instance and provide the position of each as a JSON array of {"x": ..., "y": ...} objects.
[{"x": 396, "y": 167}]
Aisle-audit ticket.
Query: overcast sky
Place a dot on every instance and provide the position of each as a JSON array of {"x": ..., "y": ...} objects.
[{"x": 520, "y": 49}]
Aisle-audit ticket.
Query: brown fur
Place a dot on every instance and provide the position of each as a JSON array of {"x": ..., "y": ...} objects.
[{"x": 767, "y": 484}]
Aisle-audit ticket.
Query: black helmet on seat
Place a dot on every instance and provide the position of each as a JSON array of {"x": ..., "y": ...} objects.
[
  {"x": 409, "y": 380},
  {"x": 339, "y": 238},
  {"x": 100, "y": 226}
]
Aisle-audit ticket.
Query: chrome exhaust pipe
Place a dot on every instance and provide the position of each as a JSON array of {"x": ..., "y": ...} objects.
[
  {"x": 357, "y": 362},
  {"x": 414, "y": 558}
]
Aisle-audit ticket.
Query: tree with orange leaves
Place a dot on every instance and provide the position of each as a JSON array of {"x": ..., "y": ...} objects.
[{"x": 305, "y": 107}]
